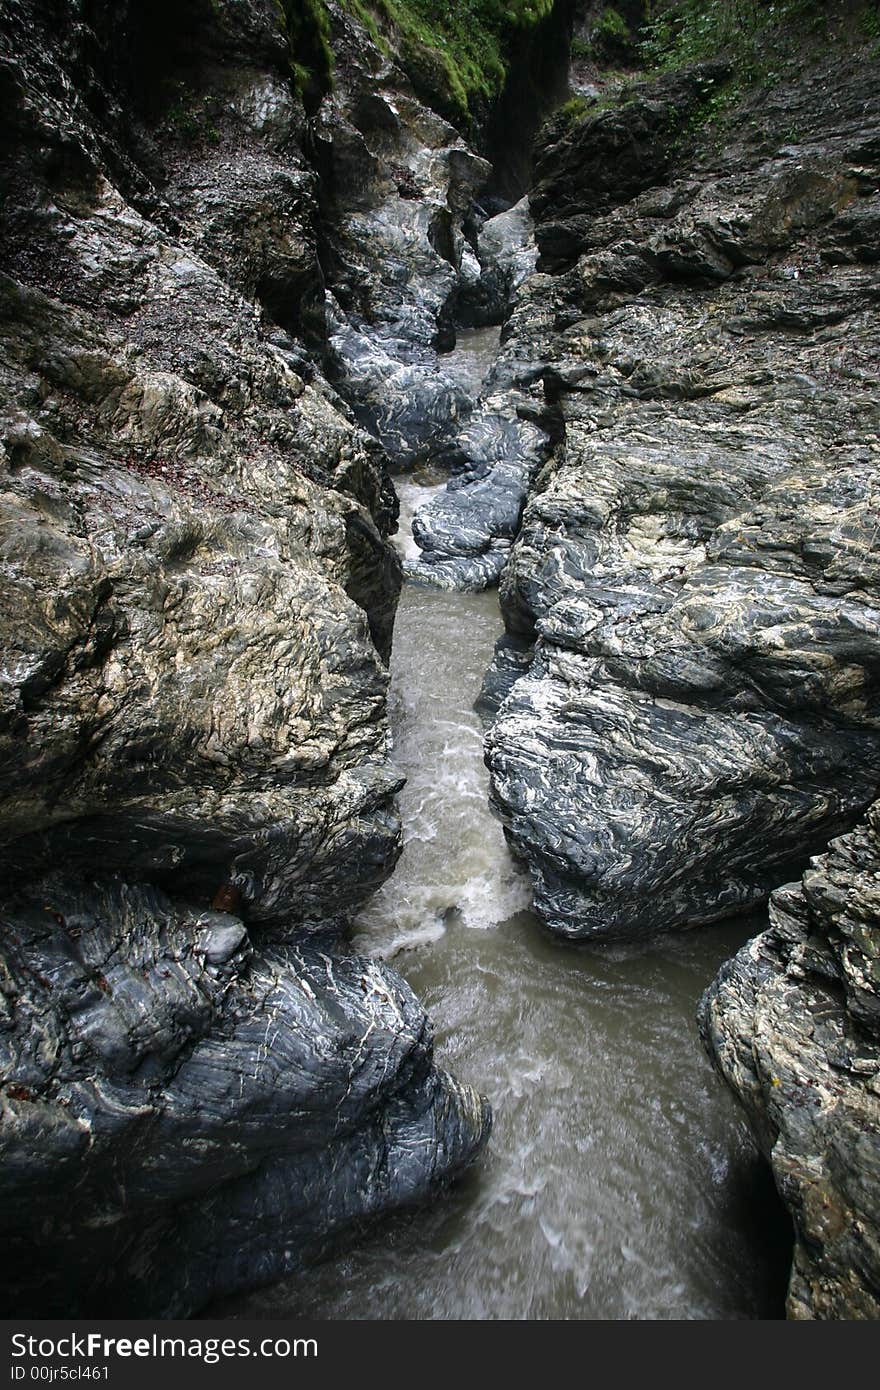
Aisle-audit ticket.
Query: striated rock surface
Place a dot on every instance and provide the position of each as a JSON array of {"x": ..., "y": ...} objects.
[
  {"x": 198, "y": 597},
  {"x": 398, "y": 186},
  {"x": 180, "y": 1086},
  {"x": 466, "y": 531},
  {"x": 687, "y": 697},
  {"x": 793, "y": 1025},
  {"x": 685, "y": 705}
]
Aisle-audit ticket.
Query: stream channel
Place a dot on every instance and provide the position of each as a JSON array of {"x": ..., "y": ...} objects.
[{"x": 620, "y": 1180}]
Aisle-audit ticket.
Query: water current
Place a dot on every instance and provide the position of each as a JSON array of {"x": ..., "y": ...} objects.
[{"x": 620, "y": 1180}]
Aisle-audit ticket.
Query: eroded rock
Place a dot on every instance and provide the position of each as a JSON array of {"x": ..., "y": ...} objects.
[
  {"x": 793, "y": 1025},
  {"x": 198, "y": 599},
  {"x": 695, "y": 565}
]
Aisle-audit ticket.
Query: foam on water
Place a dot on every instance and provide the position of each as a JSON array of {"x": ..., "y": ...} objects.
[
  {"x": 620, "y": 1180},
  {"x": 455, "y": 858},
  {"x": 412, "y": 492}
]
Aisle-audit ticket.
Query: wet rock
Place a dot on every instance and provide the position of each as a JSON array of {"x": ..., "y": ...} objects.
[
  {"x": 214, "y": 591},
  {"x": 793, "y": 1025},
  {"x": 507, "y": 255},
  {"x": 585, "y": 166},
  {"x": 400, "y": 184},
  {"x": 198, "y": 596},
  {"x": 685, "y": 705},
  {"x": 695, "y": 564},
  {"x": 465, "y": 532},
  {"x": 169, "y": 1083},
  {"x": 512, "y": 659},
  {"x": 462, "y": 574}
]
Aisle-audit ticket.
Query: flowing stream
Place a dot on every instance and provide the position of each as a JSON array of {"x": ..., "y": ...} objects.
[{"x": 620, "y": 1181}]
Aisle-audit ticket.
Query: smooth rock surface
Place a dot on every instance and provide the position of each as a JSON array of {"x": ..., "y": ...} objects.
[{"x": 241, "y": 1105}]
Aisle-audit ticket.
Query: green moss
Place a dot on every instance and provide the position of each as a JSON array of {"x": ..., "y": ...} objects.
[
  {"x": 191, "y": 117},
  {"x": 762, "y": 43},
  {"x": 308, "y": 27},
  {"x": 870, "y": 23},
  {"x": 612, "y": 25},
  {"x": 456, "y": 50},
  {"x": 609, "y": 39},
  {"x": 574, "y": 110},
  {"x": 459, "y": 47}
]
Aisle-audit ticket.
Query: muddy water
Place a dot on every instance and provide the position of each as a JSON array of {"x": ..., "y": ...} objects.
[{"x": 620, "y": 1181}]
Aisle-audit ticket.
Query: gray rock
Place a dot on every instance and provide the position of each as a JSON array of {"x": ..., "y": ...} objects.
[
  {"x": 507, "y": 256},
  {"x": 246, "y": 1109},
  {"x": 512, "y": 659},
  {"x": 696, "y": 566},
  {"x": 198, "y": 597},
  {"x": 793, "y": 1025},
  {"x": 612, "y": 156},
  {"x": 403, "y": 183}
]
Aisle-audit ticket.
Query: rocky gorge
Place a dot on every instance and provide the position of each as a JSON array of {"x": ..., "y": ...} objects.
[
  {"x": 198, "y": 604},
  {"x": 229, "y": 296}
]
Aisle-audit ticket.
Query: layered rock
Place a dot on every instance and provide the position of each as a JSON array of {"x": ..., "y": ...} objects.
[
  {"x": 685, "y": 705},
  {"x": 793, "y": 1025},
  {"x": 465, "y": 532},
  {"x": 198, "y": 601},
  {"x": 414, "y": 256},
  {"x": 183, "y": 1087},
  {"x": 694, "y": 584},
  {"x": 398, "y": 186}
]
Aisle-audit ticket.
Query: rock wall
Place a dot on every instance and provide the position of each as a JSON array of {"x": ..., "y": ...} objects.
[
  {"x": 692, "y": 595},
  {"x": 198, "y": 600},
  {"x": 685, "y": 704},
  {"x": 793, "y": 1025}
]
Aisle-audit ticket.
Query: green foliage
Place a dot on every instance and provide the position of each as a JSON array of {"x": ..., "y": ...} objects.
[
  {"x": 610, "y": 37},
  {"x": 575, "y": 109},
  {"x": 746, "y": 32},
  {"x": 870, "y": 22},
  {"x": 612, "y": 25},
  {"x": 308, "y": 27},
  {"x": 760, "y": 43},
  {"x": 717, "y": 98},
  {"x": 459, "y": 46},
  {"x": 190, "y": 118}
]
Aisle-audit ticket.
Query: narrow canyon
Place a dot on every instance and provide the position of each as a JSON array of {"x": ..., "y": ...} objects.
[{"x": 440, "y": 735}]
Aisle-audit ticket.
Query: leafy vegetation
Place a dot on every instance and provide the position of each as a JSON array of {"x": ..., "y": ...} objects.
[
  {"x": 190, "y": 118},
  {"x": 763, "y": 43},
  {"x": 609, "y": 37},
  {"x": 752, "y": 35},
  {"x": 575, "y": 109},
  {"x": 871, "y": 26},
  {"x": 308, "y": 26}
]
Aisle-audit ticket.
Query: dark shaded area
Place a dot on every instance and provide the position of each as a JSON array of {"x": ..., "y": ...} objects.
[
  {"x": 537, "y": 81},
  {"x": 754, "y": 1207}
]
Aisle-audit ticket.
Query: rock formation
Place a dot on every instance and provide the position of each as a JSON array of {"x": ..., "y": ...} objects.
[
  {"x": 793, "y": 1025},
  {"x": 228, "y": 290},
  {"x": 695, "y": 575},
  {"x": 685, "y": 705},
  {"x": 198, "y": 600}
]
